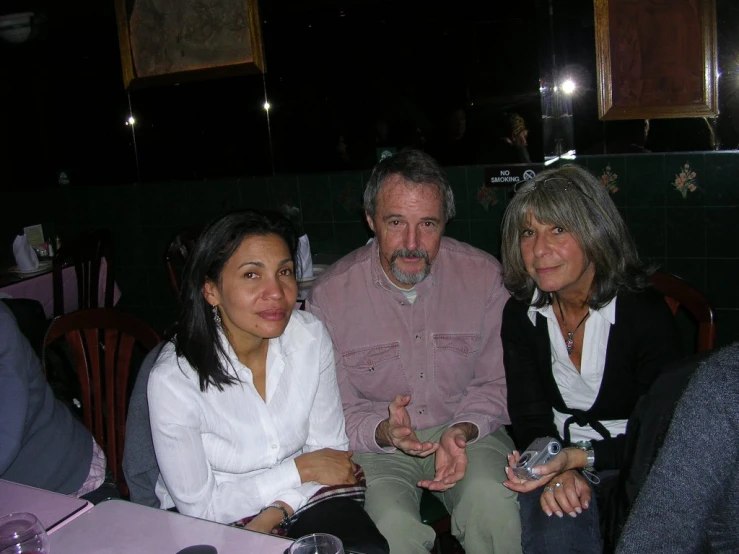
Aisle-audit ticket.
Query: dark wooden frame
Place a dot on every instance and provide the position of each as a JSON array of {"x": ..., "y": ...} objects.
[
  {"x": 604, "y": 54},
  {"x": 132, "y": 81}
]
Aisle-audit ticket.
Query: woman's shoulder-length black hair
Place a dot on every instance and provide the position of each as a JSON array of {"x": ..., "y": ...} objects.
[{"x": 196, "y": 335}]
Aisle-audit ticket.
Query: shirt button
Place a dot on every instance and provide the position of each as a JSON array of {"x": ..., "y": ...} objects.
[
  {"x": 418, "y": 336},
  {"x": 274, "y": 447},
  {"x": 371, "y": 369},
  {"x": 401, "y": 303},
  {"x": 421, "y": 375}
]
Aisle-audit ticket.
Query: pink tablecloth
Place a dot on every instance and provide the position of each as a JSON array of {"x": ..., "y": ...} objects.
[
  {"x": 52, "y": 510},
  {"x": 116, "y": 526},
  {"x": 41, "y": 288}
]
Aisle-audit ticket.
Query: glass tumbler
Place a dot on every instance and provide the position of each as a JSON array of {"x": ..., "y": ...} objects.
[
  {"x": 22, "y": 533},
  {"x": 318, "y": 543}
]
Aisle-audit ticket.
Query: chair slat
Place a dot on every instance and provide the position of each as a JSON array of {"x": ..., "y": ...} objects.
[{"x": 92, "y": 350}]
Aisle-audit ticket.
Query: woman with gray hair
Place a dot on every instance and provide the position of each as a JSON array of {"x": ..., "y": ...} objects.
[{"x": 583, "y": 337}]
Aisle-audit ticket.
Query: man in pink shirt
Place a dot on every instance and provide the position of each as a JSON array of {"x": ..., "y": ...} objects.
[{"x": 415, "y": 320}]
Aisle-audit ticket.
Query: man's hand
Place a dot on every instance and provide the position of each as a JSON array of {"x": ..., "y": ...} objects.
[
  {"x": 451, "y": 458},
  {"x": 396, "y": 431},
  {"x": 327, "y": 467}
]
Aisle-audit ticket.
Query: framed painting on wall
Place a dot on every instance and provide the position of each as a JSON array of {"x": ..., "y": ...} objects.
[
  {"x": 170, "y": 41},
  {"x": 656, "y": 58}
]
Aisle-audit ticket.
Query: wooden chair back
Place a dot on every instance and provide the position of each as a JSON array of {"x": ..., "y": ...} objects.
[
  {"x": 679, "y": 293},
  {"x": 85, "y": 252},
  {"x": 102, "y": 343}
]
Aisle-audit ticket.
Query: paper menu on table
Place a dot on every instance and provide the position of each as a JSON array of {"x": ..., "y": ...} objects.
[{"x": 34, "y": 235}]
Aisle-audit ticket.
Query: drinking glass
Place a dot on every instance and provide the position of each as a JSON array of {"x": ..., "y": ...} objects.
[
  {"x": 318, "y": 543},
  {"x": 22, "y": 533}
]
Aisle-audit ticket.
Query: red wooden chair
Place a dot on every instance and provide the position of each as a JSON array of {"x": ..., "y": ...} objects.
[
  {"x": 677, "y": 293},
  {"x": 102, "y": 344},
  {"x": 85, "y": 252}
]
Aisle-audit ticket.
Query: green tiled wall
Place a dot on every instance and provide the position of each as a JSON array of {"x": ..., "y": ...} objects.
[{"x": 696, "y": 237}]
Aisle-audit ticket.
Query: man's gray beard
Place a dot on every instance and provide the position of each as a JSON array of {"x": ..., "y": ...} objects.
[{"x": 405, "y": 277}]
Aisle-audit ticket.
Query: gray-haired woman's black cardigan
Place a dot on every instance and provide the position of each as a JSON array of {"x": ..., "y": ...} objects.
[{"x": 643, "y": 339}]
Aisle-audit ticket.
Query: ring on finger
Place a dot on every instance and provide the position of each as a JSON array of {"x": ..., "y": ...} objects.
[
  {"x": 548, "y": 489},
  {"x": 558, "y": 485}
]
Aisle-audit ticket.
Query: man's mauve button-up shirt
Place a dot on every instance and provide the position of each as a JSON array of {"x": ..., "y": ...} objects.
[{"x": 444, "y": 349}]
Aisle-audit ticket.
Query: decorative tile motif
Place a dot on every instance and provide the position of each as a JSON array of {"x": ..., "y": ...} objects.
[
  {"x": 685, "y": 181},
  {"x": 487, "y": 196},
  {"x": 609, "y": 180}
]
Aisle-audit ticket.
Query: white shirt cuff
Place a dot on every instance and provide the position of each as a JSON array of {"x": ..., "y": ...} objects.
[{"x": 282, "y": 478}]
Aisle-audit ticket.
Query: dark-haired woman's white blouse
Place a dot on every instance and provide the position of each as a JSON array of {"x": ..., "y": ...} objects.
[{"x": 224, "y": 455}]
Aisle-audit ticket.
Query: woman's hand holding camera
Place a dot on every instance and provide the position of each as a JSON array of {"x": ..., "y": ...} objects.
[
  {"x": 566, "y": 491},
  {"x": 327, "y": 467}
]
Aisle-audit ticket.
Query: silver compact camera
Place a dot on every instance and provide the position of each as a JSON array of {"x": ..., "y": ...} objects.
[{"x": 539, "y": 452}]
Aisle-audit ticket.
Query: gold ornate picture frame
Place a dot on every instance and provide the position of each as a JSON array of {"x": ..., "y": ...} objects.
[
  {"x": 656, "y": 58},
  {"x": 171, "y": 41}
]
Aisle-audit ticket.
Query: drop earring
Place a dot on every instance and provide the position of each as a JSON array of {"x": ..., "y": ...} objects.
[{"x": 216, "y": 315}]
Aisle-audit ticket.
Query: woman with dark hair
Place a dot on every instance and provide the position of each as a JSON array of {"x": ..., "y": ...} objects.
[
  {"x": 583, "y": 338},
  {"x": 246, "y": 418}
]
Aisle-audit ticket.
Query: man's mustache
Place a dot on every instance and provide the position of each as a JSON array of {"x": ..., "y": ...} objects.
[{"x": 405, "y": 253}]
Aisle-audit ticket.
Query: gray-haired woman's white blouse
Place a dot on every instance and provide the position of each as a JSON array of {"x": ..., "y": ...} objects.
[{"x": 579, "y": 389}]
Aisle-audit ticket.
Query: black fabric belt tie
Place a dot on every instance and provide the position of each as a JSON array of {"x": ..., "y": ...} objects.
[{"x": 582, "y": 419}]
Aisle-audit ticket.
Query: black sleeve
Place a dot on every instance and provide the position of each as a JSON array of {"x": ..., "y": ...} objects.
[
  {"x": 528, "y": 406},
  {"x": 659, "y": 343},
  {"x": 656, "y": 340}
]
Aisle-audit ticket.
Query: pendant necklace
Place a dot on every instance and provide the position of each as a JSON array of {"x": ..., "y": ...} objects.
[{"x": 570, "y": 340}]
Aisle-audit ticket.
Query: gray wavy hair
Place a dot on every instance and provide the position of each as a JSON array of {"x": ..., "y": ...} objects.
[
  {"x": 574, "y": 199},
  {"x": 414, "y": 166}
]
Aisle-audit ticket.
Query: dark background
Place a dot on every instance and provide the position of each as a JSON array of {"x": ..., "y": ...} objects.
[{"x": 333, "y": 70}]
